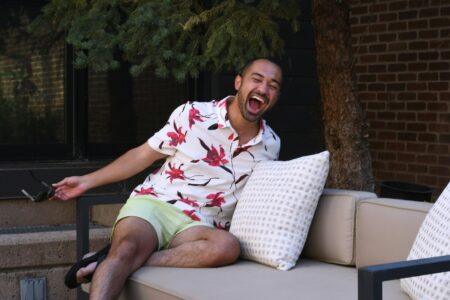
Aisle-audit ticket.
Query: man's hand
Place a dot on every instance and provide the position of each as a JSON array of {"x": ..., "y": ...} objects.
[{"x": 70, "y": 187}]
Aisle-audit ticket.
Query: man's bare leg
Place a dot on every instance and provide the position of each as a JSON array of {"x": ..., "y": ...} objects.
[
  {"x": 197, "y": 247},
  {"x": 134, "y": 240}
]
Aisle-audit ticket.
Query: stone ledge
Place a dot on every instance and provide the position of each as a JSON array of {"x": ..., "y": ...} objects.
[{"x": 40, "y": 249}]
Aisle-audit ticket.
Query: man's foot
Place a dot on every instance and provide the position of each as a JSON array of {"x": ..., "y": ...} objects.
[{"x": 83, "y": 270}]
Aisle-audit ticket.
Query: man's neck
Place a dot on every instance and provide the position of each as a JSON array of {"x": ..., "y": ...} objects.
[{"x": 246, "y": 130}]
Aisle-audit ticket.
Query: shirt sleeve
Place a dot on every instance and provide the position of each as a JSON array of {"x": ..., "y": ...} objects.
[{"x": 173, "y": 134}]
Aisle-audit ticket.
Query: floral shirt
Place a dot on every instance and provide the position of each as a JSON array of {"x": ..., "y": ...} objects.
[{"x": 206, "y": 169}]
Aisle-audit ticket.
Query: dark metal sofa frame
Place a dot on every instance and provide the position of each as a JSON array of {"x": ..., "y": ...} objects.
[{"x": 370, "y": 278}]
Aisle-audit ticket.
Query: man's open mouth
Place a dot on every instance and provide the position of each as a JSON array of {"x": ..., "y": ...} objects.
[{"x": 255, "y": 103}]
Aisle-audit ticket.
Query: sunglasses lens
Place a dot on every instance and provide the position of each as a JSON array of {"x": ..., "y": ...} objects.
[{"x": 41, "y": 196}]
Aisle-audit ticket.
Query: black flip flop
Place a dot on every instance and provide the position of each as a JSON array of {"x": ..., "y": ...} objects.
[{"x": 71, "y": 276}]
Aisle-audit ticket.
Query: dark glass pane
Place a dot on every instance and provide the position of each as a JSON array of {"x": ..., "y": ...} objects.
[
  {"x": 124, "y": 112},
  {"x": 31, "y": 87}
]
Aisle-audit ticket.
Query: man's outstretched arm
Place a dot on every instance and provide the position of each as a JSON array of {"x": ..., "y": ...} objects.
[{"x": 127, "y": 165}]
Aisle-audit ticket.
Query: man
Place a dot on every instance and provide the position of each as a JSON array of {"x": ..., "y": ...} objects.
[{"x": 172, "y": 219}]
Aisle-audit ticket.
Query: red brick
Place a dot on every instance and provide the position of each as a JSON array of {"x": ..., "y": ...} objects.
[
  {"x": 386, "y": 135},
  {"x": 367, "y": 78},
  {"x": 440, "y": 44},
  {"x": 444, "y": 160},
  {"x": 429, "y": 12},
  {"x": 377, "y": 68},
  {"x": 364, "y": 39},
  {"x": 444, "y": 117},
  {"x": 427, "y": 96},
  {"x": 444, "y": 138},
  {"x": 396, "y": 126},
  {"x": 408, "y": 157},
  {"x": 437, "y": 106},
  {"x": 406, "y": 177},
  {"x": 376, "y": 106},
  {"x": 440, "y": 22},
  {"x": 378, "y": 27},
  {"x": 389, "y": 17},
  {"x": 407, "y": 57},
  {"x": 440, "y": 66},
  {"x": 387, "y": 58},
  {"x": 428, "y": 34},
  {"x": 406, "y": 15},
  {"x": 362, "y": 87},
  {"x": 418, "y": 24},
  {"x": 418, "y": 45},
  {"x": 438, "y": 149},
  {"x": 428, "y": 76},
  {"x": 429, "y": 55},
  {"x": 416, "y": 106},
  {"x": 376, "y": 8},
  {"x": 368, "y": 19},
  {"x": 377, "y": 145},
  {"x": 359, "y": 10},
  {"x": 387, "y": 156},
  {"x": 376, "y": 87},
  {"x": 398, "y": 5},
  {"x": 388, "y": 37},
  {"x": 407, "y": 36},
  {"x": 426, "y": 116},
  {"x": 407, "y": 77},
  {"x": 361, "y": 69},
  {"x": 379, "y": 165},
  {"x": 443, "y": 171},
  {"x": 427, "y": 137},
  {"x": 397, "y": 67},
  {"x": 413, "y": 168},
  {"x": 416, "y": 86},
  {"x": 444, "y": 33},
  {"x": 445, "y": 11},
  {"x": 407, "y": 96},
  {"x": 398, "y": 167},
  {"x": 367, "y": 96},
  {"x": 407, "y": 136},
  {"x": 416, "y": 127},
  {"x": 397, "y": 26},
  {"x": 427, "y": 180},
  {"x": 406, "y": 116},
  {"x": 396, "y": 105},
  {"x": 377, "y": 48},
  {"x": 438, "y": 86},
  {"x": 386, "y": 115},
  {"x": 371, "y": 58},
  {"x": 438, "y": 127},
  {"x": 445, "y": 55},
  {"x": 397, "y": 87},
  {"x": 444, "y": 96},
  {"x": 444, "y": 76},
  {"x": 417, "y": 67},
  {"x": 399, "y": 46},
  {"x": 386, "y": 77},
  {"x": 426, "y": 159},
  {"x": 396, "y": 146}
]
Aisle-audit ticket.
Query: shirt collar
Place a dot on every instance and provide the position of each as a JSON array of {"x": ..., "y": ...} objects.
[{"x": 223, "y": 120}]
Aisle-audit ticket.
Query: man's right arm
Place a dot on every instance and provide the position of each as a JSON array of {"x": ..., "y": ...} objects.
[{"x": 127, "y": 165}]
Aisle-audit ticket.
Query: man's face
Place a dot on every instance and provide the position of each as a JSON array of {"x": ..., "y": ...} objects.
[{"x": 258, "y": 89}]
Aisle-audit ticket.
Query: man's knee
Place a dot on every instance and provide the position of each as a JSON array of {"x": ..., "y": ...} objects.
[{"x": 227, "y": 249}]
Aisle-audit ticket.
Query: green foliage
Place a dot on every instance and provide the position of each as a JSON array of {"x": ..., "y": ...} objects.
[{"x": 177, "y": 38}]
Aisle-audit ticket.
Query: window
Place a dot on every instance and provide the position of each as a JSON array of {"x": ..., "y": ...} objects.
[{"x": 48, "y": 111}]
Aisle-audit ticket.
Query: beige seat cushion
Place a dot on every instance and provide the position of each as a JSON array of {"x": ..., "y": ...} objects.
[
  {"x": 386, "y": 229},
  {"x": 331, "y": 236},
  {"x": 310, "y": 280}
]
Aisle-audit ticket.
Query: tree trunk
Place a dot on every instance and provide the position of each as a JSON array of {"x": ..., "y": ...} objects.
[{"x": 345, "y": 126}]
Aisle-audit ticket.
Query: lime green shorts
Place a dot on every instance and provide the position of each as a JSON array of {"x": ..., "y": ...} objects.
[{"x": 166, "y": 219}]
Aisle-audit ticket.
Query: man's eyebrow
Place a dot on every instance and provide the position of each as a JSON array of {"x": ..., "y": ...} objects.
[{"x": 260, "y": 75}]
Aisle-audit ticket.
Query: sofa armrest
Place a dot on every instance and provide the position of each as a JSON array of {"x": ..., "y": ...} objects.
[{"x": 370, "y": 278}]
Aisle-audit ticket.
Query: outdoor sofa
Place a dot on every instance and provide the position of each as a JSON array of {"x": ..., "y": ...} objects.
[{"x": 350, "y": 231}]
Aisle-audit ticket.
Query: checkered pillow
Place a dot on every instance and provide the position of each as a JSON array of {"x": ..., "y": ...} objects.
[
  {"x": 275, "y": 210},
  {"x": 432, "y": 240}
]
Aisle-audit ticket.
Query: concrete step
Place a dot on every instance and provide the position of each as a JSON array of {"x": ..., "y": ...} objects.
[
  {"x": 24, "y": 212},
  {"x": 41, "y": 254}
]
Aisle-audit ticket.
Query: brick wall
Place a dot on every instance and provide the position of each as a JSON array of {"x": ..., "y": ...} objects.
[{"x": 402, "y": 61}]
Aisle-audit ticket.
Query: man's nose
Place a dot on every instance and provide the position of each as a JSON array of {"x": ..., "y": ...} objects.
[{"x": 263, "y": 89}]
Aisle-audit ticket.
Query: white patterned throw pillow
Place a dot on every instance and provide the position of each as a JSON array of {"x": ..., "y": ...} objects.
[
  {"x": 432, "y": 240},
  {"x": 275, "y": 210}
]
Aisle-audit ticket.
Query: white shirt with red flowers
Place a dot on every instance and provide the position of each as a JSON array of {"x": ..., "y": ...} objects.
[{"x": 207, "y": 168}]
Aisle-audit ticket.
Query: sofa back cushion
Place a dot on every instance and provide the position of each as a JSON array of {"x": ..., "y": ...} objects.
[
  {"x": 331, "y": 236},
  {"x": 386, "y": 229}
]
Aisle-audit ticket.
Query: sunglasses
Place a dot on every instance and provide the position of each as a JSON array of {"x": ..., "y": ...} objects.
[{"x": 42, "y": 195}]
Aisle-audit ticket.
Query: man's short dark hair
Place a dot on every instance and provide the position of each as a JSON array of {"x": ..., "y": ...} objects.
[{"x": 250, "y": 62}]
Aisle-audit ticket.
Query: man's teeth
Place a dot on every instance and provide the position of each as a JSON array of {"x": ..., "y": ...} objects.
[{"x": 258, "y": 99}]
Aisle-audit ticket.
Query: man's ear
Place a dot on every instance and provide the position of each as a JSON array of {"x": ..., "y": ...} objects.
[{"x": 237, "y": 82}]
